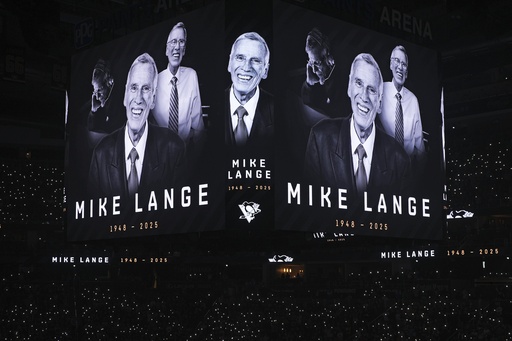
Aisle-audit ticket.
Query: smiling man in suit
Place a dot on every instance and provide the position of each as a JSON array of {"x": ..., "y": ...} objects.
[
  {"x": 250, "y": 120},
  {"x": 352, "y": 153},
  {"x": 138, "y": 157}
]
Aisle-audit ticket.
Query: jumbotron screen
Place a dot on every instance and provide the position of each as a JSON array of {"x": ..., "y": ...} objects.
[{"x": 292, "y": 120}]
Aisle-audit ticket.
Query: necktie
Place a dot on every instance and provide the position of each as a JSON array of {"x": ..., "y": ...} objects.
[
  {"x": 173, "y": 106},
  {"x": 360, "y": 172},
  {"x": 241, "y": 133},
  {"x": 399, "y": 120},
  {"x": 133, "y": 179}
]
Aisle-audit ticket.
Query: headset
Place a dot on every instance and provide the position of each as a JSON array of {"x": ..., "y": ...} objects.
[
  {"x": 316, "y": 39},
  {"x": 101, "y": 73}
]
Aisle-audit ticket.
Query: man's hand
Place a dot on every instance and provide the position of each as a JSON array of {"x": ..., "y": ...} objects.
[
  {"x": 95, "y": 103},
  {"x": 311, "y": 77}
]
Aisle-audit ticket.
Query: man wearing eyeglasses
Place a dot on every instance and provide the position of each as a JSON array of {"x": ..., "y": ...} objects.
[
  {"x": 322, "y": 90},
  {"x": 250, "y": 120},
  {"x": 178, "y": 101},
  {"x": 400, "y": 117},
  {"x": 103, "y": 117}
]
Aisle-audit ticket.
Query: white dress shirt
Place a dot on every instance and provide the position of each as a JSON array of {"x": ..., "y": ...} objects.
[
  {"x": 140, "y": 147},
  {"x": 190, "y": 117},
  {"x": 413, "y": 130},
  {"x": 250, "y": 107},
  {"x": 368, "y": 147}
]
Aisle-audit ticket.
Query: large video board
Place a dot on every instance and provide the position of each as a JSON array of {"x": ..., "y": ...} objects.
[
  {"x": 317, "y": 172},
  {"x": 178, "y": 183},
  {"x": 236, "y": 126}
]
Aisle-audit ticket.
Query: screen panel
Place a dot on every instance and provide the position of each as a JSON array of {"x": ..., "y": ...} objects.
[
  {"x": 179, "y": 189},
  {"x": 278, "y": 179},
  {"x": 316, "y": 172}
]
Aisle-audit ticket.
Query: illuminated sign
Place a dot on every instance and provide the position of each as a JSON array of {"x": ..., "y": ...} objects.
[
  {"x": 176, "y": 181},
  {"x": 318, "y": 185},
  {"x": 281, "y": 259},
  {"x": 457, "y": 214},
  {"x": 253, "y": 142},
  {"x": 408, "y": 254},
  {"x": 139, "y": 260},
  {"x": 473, "y": 252},
  {"x": 80, "y": 260}
]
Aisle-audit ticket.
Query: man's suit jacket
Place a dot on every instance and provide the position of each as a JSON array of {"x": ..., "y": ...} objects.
[
  {"x": 262, "y": 130},
  {"x": 163, "y": 155},
  {"x": 329, "y": 162}
]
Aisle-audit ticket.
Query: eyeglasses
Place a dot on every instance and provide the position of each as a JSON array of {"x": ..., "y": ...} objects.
[
  {"x": 99, "y": 91},
  {"x": 175, "y": 42},
  {"x": 397, "y": 62},
  {"x": 254, "y": 61},
  {"x": 316, "y": 63}
]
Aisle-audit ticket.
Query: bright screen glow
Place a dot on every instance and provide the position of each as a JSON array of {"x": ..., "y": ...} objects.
[{"x": 286, "y": 161}]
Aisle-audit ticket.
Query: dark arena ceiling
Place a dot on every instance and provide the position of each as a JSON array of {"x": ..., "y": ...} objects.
[{"x": 473, "y": 39}]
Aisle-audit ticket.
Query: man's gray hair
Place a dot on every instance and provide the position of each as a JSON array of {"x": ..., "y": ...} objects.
[
  {"x": 178, "y": 25},
  {"x": 146, "y": 58},
  {"x": 368, "y": 59},
  {"x": 252, "y": 36}
]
